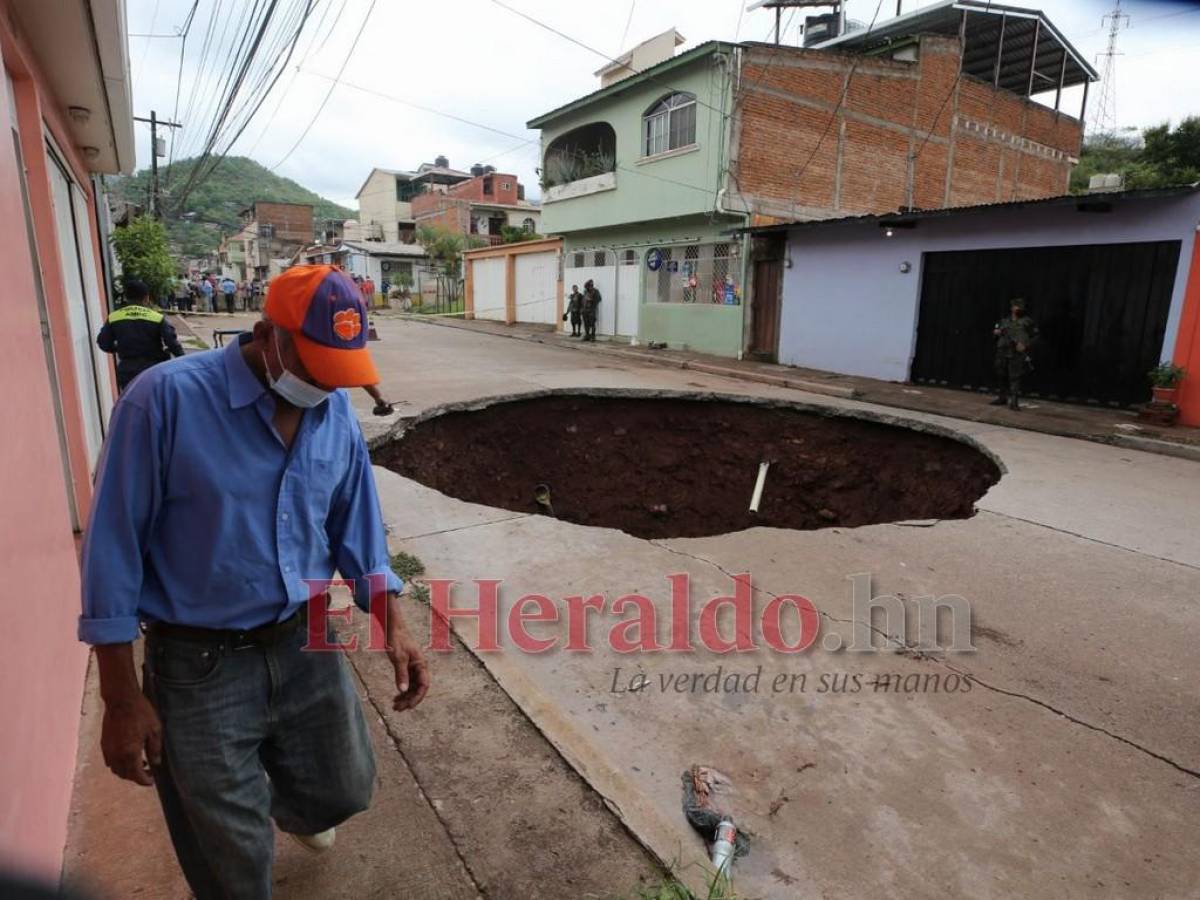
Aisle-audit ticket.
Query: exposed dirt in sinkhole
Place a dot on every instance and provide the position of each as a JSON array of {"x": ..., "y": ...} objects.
[{"x": 658, "y": 468}]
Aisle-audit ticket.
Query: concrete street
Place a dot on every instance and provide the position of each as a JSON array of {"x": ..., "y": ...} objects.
[{"x": 1071, "y": 768}]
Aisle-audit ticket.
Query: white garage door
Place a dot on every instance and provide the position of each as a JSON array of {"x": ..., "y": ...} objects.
[
  {"x": 488, "y": 284},
  {"x": 537, "y": 288}
]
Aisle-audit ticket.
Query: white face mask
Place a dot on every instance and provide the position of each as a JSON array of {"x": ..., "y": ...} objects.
[{"x": 292, "y": 388}]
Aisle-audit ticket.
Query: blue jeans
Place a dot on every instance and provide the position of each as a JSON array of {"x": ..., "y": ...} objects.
[{"x": 253, "y": 734}]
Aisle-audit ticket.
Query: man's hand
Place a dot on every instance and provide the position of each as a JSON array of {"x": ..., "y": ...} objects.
[
  {"x": 412, "y": 672},
  {"x": 1020, "y": 348},
  {"x": 131, "y": 739}
]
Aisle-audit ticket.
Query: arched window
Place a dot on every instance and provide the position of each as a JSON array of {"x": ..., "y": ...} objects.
[
  {"x": 669, "y": 124},
  {"x": 529, "y": 225}
]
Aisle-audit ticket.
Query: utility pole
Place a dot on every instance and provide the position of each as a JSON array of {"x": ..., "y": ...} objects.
[
  {"x": 157, "y": 149},
  {"x": 1104, "y": 119}
]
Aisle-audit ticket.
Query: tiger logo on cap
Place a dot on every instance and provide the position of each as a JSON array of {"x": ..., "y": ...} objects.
[{"x": 347, "y": 324}]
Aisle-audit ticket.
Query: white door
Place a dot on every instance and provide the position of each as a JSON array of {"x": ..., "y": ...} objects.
[
  {"x": 91, "y": 291},
  {"x": 628, "y": 293},
  {"x": 488, "y": 285},
  {"x": 87, "y": 373},
  {"x": 537, "y": 287}
]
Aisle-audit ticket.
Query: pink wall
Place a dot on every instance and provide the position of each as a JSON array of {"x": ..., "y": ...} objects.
[{"x": 43, "y": 666}]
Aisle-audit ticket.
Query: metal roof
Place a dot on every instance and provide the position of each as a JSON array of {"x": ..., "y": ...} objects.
[
  {"x": 1030, "y": 50},
  {"x": 1091, "y": 201},
  {"x": 654, "y": 73}
]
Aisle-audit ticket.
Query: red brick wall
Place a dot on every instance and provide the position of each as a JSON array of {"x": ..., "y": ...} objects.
[
  {"x": 442, "y": 210},
  {"x": 907, "y": 134},
  {"x": 473, "y": 189},
  {"x": 293, "y": 221}
]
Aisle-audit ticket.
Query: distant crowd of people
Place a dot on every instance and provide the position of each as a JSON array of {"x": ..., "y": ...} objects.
[{"x": 208, "y": 293}]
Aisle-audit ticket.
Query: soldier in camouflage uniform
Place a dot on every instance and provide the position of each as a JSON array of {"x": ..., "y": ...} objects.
[
  {"x": 575, "y": 311},
  {"x": 591, "y": 309},
  {"x": 1015, "y": 338}
]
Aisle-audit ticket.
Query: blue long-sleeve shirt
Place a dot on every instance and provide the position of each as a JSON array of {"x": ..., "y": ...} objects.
[{"x": 203, "y": 517}]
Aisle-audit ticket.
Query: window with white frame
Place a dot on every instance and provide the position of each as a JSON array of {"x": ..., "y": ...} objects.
[
  {"x": 669, "y": 125},
  {"x": 529, "y": 226}
]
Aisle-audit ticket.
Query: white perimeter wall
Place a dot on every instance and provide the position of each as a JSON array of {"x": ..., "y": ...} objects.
[
  {"x": 488, "y": 280},
  {"x": 847, "y": 307}
]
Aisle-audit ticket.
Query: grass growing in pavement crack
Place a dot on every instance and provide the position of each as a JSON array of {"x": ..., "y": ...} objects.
[
  {"x": 673, "y": 889},
  {"x": 407, "y": 566}
]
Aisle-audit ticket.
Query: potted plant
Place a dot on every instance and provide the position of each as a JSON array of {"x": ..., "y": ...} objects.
[{"x": 1165, "y": 378}]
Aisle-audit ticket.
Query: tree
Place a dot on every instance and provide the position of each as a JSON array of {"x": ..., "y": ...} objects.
[
  {"x": 513, "y": 235},
  {"x": 1159, "y": 157},
  {"x": 446, "y": 247},
  {"x": 141, "y": 248}
]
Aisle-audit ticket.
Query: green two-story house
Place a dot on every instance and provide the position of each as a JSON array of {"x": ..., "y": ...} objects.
[{"x": 633, "y": 178}]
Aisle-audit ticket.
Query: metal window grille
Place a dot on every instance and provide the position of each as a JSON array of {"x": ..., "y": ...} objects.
[
  {"x": 696, "y": 273},
  {"x": 577, "y": 260},
  {"x": 600, "y": 258},
  {"x": 629, "y": 257}
]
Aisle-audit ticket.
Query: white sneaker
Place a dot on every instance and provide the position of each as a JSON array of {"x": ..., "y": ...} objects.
[{"x": 316, "y": 843}]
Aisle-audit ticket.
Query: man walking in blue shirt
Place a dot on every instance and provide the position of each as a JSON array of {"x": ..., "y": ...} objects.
[
  {"x": 232, "y": 485},
  {"x": 206, "y": 289}
]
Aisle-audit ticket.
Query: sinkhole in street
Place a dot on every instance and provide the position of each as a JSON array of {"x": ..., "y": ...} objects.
[{"x": 679, "y": 466}]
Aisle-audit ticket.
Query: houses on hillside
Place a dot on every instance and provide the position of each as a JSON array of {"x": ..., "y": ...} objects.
[{"x": 394, "y": 204}]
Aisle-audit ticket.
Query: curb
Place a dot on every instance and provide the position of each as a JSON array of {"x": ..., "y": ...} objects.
[
  {"x": 1144, "y": 444},
  {"x": 811, "y": 387},
  {"x": 1152, "y": 445}
]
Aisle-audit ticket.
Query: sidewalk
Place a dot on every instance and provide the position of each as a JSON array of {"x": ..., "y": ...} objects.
[
  {"x": 471, "y": 800},
  {"x": 1119, "y": 427}
]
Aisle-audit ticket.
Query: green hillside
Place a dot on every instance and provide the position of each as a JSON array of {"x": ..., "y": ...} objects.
[{"x": 212, "y": 208}]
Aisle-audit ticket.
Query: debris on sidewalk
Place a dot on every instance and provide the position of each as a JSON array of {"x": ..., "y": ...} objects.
[{"x": 706, "y": 800}]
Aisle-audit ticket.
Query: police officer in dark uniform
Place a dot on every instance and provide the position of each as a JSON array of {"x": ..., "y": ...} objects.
[
  {"x": 1015, "y": 337},
  {"x": 139, "y": 335}
]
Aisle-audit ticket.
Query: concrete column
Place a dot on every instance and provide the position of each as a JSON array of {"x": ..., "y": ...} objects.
[
  {"x": 510, "y": 288},
  {"x": 469, "y": 290}
]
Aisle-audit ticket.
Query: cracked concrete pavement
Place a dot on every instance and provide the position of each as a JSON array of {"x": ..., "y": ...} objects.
[{"x": 1069, "y": 768}]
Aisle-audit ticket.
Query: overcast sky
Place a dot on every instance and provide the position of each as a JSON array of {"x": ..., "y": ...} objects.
[{"x": 481, "y": 62}]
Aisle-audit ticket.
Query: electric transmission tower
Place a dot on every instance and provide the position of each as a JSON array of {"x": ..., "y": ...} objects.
[{"x": 1104, "y": 113}]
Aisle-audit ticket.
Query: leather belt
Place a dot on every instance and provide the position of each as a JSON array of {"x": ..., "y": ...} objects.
[{"x": 263, "y": 635}]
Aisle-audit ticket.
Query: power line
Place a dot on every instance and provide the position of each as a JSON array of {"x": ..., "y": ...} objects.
[
  {"x": 950, "y": 93},
  {"x": 296, "y": 71},
  {"x": 146, "y": 48},
  {"x": 578, "y": 43},
  {"x": 418, "y": 106},
  {"x": 329, "y": 93},
  {"x": 841, "y": 99},
  {"x": 628, "y": 22}
]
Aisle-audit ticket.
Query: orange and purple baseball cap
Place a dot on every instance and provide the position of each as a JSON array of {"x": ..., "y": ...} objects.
[{"x": 326, "y": 315}]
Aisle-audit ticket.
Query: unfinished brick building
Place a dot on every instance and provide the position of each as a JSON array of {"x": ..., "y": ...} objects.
[{"x": 931, "y": 110}]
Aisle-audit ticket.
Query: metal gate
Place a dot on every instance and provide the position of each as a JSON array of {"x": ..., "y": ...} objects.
[{"x": 1101, "y": 308}]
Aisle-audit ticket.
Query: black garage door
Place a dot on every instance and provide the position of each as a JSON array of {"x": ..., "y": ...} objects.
[{"x": 1102, "y": 310}]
